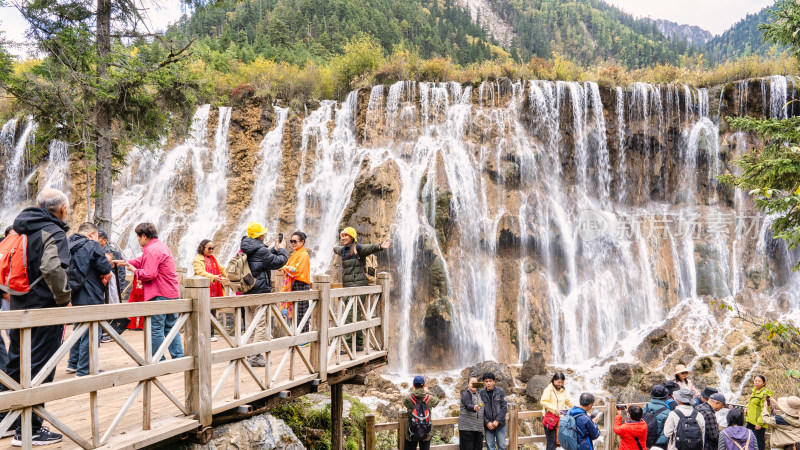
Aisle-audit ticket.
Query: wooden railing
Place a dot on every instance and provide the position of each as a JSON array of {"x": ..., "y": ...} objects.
[
  {"x": 513, "y": 438},
  {"x": 310, "y": 355}
]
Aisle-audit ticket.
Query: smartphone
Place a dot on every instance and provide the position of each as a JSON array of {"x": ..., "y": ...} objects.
[
  {"x": 622, "y": 407},
  {"x": 280, "y": 237},
  {"x": 478, "y": 385}
]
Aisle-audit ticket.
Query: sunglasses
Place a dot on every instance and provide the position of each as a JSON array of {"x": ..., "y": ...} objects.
[
  {"x": 209, "y": 248},
  {"x": 293, "y": 241}
]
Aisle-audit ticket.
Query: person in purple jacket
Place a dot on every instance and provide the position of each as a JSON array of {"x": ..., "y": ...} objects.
[{"x": 156, "y": 270}]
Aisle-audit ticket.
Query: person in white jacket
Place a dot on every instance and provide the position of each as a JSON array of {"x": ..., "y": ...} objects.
[{"x": 684, "y": 398}]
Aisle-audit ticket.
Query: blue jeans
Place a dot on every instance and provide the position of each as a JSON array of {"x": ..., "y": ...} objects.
[
  {"x": 79, "y": 354},
  {"x": 496, "y": 439},
  {"x": 161, "y": 326}
]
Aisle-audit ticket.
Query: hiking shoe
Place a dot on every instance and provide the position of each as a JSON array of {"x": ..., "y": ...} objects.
[
  {"x": 105, "y": 338},
  {"x": 71, "y": 370},
  {"x": 257, "y": 361},
  {"x": 43, "y": 437}
]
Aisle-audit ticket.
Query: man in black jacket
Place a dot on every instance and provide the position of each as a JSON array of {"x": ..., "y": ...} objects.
[
  {"x": 494, "y": 413},
  {"x": 48, "y": 262},
  {"x": 89, "y": 272},
  {"x": 261, "y": 260}
]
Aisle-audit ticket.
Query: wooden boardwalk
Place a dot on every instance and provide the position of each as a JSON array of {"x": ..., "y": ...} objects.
[{"x": 137, "y": 401}]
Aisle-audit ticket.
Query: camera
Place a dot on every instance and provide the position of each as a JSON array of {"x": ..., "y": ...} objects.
[
  {"x": 280, "y": 237},
  {"x": 622, "y": 407}
]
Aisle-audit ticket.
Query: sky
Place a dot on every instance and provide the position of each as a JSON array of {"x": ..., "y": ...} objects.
[
  {"x": 158, "y": 15},
  {"x": 715, "y": 16}
]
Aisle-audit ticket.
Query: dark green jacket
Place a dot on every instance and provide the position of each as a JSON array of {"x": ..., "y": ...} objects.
[{"x": 353, "y": 270}]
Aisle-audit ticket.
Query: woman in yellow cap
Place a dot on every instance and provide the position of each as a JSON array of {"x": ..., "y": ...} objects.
[{"x": 354, "y": 256}]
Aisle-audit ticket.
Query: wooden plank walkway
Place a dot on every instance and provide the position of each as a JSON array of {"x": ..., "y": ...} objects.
[
  {"x": 112, "y": 357},
  {"x": 138, "y": 400}
]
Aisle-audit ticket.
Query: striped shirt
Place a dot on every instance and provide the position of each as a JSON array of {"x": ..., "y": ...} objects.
[{"x": 468, "y": 418}]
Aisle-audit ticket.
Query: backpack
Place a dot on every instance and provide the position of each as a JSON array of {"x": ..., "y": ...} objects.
[
  {"x": 239, "y": 273},
  {"x": 568, "y": 432},
  {"x": 689, "y": 435},
  {"x": 419, "y": 423},
  {"x": 14, "y": 265},
  {"x": 370, "y": 265},
  {"x": 371, "y": 268},
  {"x": 746, "y": 444},
  {"x": 655, "y": 428}
]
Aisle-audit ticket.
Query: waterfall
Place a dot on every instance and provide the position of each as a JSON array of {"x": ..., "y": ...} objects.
[
  {"x": 57, "y": 173},
  {"x": 621, "y": 166},
  {"x": 778, "y": 104},
  {"x": 14, "y": 185},
  {"x": 211, "y": 189},
  {"x": 491, "y": 190},
  {"x": 600, "y": 142},
  {"x": 336, "y": 159},
  {"x": 743, "y": 86},
  {"x": 266, "y": 180},
  {"x": 155, "y": 179}
]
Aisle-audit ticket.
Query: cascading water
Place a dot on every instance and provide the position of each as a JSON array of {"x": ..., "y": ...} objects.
[
  {"x": 778, "y": 104},
  {"x": 14, "y": 186},
  {"x": 267, "y": 172},
  {"x": 155, "y": 179},
  {"x": 211, "y": 189},
  {"x": 56, "y": 175},
  {"x": 493, "y": 188}
]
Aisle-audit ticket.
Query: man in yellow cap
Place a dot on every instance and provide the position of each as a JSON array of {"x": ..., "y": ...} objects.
[{"x": 261, "y": 260}]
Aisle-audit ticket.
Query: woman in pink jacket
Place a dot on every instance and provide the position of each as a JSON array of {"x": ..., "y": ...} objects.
[{"x": 156, "y": 270}]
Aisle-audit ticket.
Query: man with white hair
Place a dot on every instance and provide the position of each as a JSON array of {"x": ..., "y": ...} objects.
[{"x": 48, "y": 262}]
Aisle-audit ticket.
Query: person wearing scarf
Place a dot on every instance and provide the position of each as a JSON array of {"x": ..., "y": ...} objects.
[
  {"x": 205, "y": 264},
  {"x": 297, "y": 276}
]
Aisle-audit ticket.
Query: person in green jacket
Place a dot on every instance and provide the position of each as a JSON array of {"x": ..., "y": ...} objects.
[
  {"x": 754, "y": 408},
  {"x": 354, "y": 257}
]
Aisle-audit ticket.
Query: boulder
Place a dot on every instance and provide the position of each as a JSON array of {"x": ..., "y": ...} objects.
[
  {"x": 535, "y": 387},
  {"x": 535, "y": 365},
  {"x": 650, "y": 379},
  {"x": 501, "y": 372},
  {"x": 263, "y": 431},
  {"x": 622, "y": 374},
  {"x": 437, "y": 391}
]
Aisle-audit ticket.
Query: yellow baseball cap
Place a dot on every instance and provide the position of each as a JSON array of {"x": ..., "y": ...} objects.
[
  {"x": 255, "y": 229},
  {"x": 352, "y": 232}
]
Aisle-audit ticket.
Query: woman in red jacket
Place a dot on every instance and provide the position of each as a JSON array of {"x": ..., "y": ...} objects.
[{"x": 633, "y": 432}]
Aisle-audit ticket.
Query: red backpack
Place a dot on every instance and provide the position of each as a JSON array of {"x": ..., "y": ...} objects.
[{"x": 14, "y": 265}]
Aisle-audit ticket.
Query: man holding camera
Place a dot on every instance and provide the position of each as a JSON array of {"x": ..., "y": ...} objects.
[{"x": 632, "y": 432}]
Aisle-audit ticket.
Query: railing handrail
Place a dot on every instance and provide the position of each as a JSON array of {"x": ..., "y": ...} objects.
[{"x": 193, "y": 309}]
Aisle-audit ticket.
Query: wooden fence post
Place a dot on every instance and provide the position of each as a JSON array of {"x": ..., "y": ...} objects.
[
  {"x": 181, "y": 271},
  {"x": 369, "y": 435},
  {"x": 402, "y": 424},
  {"x": 320, "y": 322},
  {"x": 611, "y": 411},
  {"x": 337, "y": 410},
  {"x": 198, "y": 332},
  {"x": 513, "y": 429},
  {"x": 385, "y": 280}
]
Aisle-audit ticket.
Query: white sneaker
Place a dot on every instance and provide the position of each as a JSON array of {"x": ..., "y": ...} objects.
[{"x": 213, "y": 339}]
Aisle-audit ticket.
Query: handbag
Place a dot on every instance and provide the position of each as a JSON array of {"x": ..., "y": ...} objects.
[{"x": 550, "y": 421}]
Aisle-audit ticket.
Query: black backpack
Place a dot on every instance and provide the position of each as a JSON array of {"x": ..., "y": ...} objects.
[
  {"x": 419, "y": 423},
  {"x": 689, "y": 435},
  {"x": 654, "y": 427}
]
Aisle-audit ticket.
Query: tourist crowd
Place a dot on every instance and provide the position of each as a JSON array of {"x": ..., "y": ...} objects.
[
  {"x": 84, "y": 269},
  {"x": 677, "y": 417}
]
